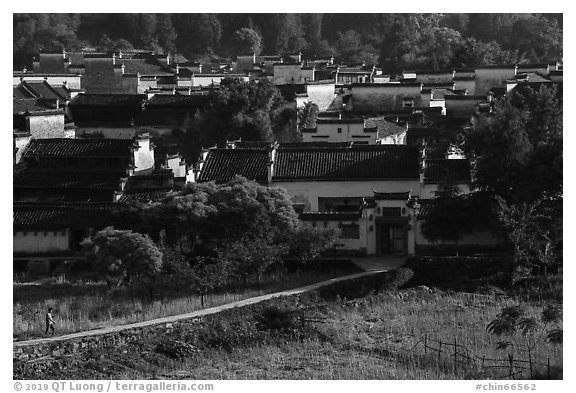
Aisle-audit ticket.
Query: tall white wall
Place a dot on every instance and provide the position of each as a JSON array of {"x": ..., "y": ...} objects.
[{"x": 31, "y": 242}]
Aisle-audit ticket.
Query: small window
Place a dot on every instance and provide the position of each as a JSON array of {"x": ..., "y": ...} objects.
[
  {"x": 339, "y": 130},
  {"x": 378, "y": 211}
]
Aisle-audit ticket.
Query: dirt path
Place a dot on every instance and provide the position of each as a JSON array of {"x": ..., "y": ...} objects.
[{"x": 195, "y": 314}]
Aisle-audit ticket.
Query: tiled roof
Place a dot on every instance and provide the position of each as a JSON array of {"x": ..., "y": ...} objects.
[
  {"x": 533, "y": 65},
  {"x": 385, "y": 127},
  {"x": 425, "y": 206},
  {"x": 343, "y": 120},
  {"x": 439, "y": 94},
  {"x": 437, "y": 170},
  {"x": 162, "y": 180},
  {"x": 533, "y": 77},
  {"x": 70, "y": 179},
  {"x": 437, "y": 150},
  {"x": 433, "y": 72},
  {"x": 144, "y": 67},
  {"x": 144, "y": 197},
  {"x": 313, "y": 145},
  {"x": 222, "y": 165},
  {"x": 31, "y": 105},
  {"x": 179, "y": 101},
  {"x": 30, "y": 215},
  {"x": 330, "y": 216},
  {"x": 386, "y": 85},
  {"x": 465, "y": 97},
  {"x": 289, "y": 91},
  {"x": 19, "y": 93},
  {"x": 109, "y": 99},
  {"x": 361, "y": 162},
  {"x": 66, "y": 147},
  {"x": 253, "y": 145},
  {"x": 44, "y": 90},
  {"x": 496, "y": 66}
]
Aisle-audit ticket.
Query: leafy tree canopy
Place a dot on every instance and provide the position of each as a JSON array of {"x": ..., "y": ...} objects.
[
  {"x": 247, "y": 110},
  {"x": 122, "y": 256},
  {"x": 519, "y": 149}
]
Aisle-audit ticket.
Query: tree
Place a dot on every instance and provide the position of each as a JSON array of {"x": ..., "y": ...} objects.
[
  {"x": 166, "y": 33},
  {"x": 537, "y": 38},
  {"x": 312, "y": 25},
  {"x": 529, "y": 229},
  {"x": 242, "y": 224},
  {"x": 448, "y": 218},
  {"x": 518, "y": 149},
  {"x": 247, "y": 110},
  {"x": 197, "y": 34},
  {"x": 308, "y": 243},
  {"x": 280, "y": 32},
  {"x": 247, "y": 40},
  {"x": 250, "y": 257},
  {"x": 350, "y": 49},
  {"x": 533, "y": 331},
  {"x": 123, "y": 256},
  {"x": 474, "y": 52}
]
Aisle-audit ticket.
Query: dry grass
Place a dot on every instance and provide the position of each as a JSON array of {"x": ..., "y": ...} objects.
[
  {"x": 378, "y": 338},
  {"x": 86, "y": 306}
]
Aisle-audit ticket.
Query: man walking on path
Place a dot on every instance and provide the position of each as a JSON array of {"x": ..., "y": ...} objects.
[{"x": 49, "y": 321}]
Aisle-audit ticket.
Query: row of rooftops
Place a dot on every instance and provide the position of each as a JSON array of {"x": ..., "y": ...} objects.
[
  {"x": 324, "y": 161},
  {"x": 150, "y": 63}
]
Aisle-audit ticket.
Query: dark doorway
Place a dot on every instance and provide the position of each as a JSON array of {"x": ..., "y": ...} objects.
[
  {"x": 76, "y": 237},
  {"x": 385, "y": 243},
  {"x": 391, "y": 237}
]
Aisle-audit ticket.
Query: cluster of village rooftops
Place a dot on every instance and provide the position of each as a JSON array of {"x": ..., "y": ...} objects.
[{"x": 369, "y": 160}]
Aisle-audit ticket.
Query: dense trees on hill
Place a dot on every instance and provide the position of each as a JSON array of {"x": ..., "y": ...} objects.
[{"x": 390, "y": 40}]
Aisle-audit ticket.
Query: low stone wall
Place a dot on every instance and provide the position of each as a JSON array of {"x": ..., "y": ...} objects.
[{"x": 72, "y": 346}]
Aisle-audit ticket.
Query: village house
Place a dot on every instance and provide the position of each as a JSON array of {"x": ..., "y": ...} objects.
[
  {"x": 332, "y": 185},
  {"x": 348, "y": 75},
  {"x": 106, "y": 115},
  {"x": 463, "y": 106},
  {"x": 119, "y": 72},
  {"x": 62, "y": 169},
  {"x": 490, "y": 76},
  {"x": 48, "y": 234},
  {"x": 340, "y": 130},
  {"x": 321, "y": 93},
  {"x": 63, "y": 182},
  {"x": 374, "y": 97},
  {"x": 39, "y": 112}
]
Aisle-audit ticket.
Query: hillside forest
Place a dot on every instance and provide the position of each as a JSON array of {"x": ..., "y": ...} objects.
[{"x": 391, "y": 41}]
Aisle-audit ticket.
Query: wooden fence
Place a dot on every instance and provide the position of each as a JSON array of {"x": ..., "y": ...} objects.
[{"x": 461, "y": 356}]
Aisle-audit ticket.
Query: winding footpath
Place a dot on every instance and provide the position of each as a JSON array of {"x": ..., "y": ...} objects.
[{"x": 367, "y": 264}]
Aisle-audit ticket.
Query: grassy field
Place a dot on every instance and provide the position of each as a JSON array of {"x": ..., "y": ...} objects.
[
  {"x": 88, "y": 305},
  {"x": 378, "y": 336}
]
